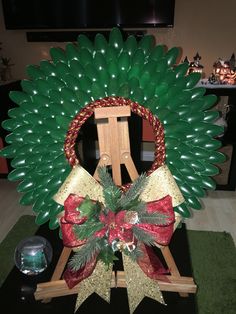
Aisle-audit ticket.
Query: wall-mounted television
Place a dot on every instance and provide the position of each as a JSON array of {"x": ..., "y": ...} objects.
[{"x": 87, "y": 14}]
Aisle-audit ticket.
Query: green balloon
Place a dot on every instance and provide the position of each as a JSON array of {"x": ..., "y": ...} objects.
[
  {"x": 34, "y": 72},
  {"x": 197, "y": 165},
  {"x": 99, "y": 61},
  {"x": 144, "y": 80},
  {"x": 197, "y": 190},
  {"x": 10, "y": 124},
  {"x": 25, "y": 186},
  {"x": 53, "y": 222},
  {"x": 208, "y": 183},
  {"x": 11, "y": 138},
  {"x": 85, "y": 57},
  {"x": 192, "y": 79},
  {"x": 216, "y": 157},
  {"x": 19, "y": 97},
  {"x": 185, "y": 189},
  {"x": 193, "y": 202},
  {"x": 122, "y": 77},
  {"x": 103, "y": 78},
  {"x": 71, "y": 81},
  {"x": 47, "y": 68},
  {"x": 83, "y": 98},
  {"x": 27, "y": 198},
  {"x": 139, "y": 57},
  {"x": 62, "y": 69},
  {"x": 124, "y": 61},
  {"x": 183, "y": 210},
  {"x": 72, "y": 53},
  {"x": 157, "y": 53},
  {"x": 77, "y": 70},
  {"x": 181, "y": 70},
  {"x": 42, "y": 217},
  {"x": 63, "y": 122},
  {"x": 115, "y": 39},
  {"x": 85, "y": 85},
  {"x": 42, "y": 87},
  {"x": 211, "y": 170},
  {"x": 100, "y": 43},
  {"x": 17, "y": 174},
  {"x": 112, "y": 87},
  {"x": 161, "y": 89},
  {"x": 178, "y": 164},
  {"x": 131, "y": 45},
  {"x": 39, "y": 101},
  {"x": 91, "y": 72},
  {"x": 68, "y": 94},
  {"x": 195, "y": 94},
  {"x": 138, "y": 95},
  {"x": 9, "y": 151},
  {"x": 84, "y": 42},
  {"x": 97, "y": 91},
  {"x": 18, "y": 162},
  {"x": 172, "y": 55},
  {"x": 162, "y": 66},
  {"x": 211, "y": 116},
  {"x": 134, "y": 72},
  {"x": 29, "y": 87},
  {"x": 58, "y": 55},
  {"x": 147, "y": 44},
  {"x": 124, "y": 91},
  {"x": 170, "y": 78}
]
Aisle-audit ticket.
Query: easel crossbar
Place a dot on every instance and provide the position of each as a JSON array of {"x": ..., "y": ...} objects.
[{"x": 59, "y": 288}]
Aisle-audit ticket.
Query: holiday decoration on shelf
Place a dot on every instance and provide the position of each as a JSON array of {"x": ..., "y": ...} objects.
[
  {"x": 85, "y": 72},
  {"x": 224, "y": 72},
  {"x": 122, "y": 222},
  {"x": 195, "y": 65}
]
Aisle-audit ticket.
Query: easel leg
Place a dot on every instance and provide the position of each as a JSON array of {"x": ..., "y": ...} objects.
[
  {"x": 59, "y": 268},
  {"x": 171, "y": 265}
]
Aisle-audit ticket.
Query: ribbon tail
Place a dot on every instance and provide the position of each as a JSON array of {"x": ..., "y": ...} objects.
[
  {"x": 139, "y": 285},
  {"x": 72, "y": 277},
  {"x": 99, "y": 282},
  {"x": 151, "y": 265}
]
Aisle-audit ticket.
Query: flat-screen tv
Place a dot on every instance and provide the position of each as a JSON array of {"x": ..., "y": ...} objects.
[{"x": 87, "y": 14}]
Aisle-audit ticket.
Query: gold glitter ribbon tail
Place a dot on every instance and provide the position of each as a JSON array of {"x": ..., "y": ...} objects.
[
  {"x": 99, "y": 282},
  {"x": 139, "y": 285}
]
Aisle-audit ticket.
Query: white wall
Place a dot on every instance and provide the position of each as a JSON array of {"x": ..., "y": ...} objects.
[{"x": 204, "y": 26}]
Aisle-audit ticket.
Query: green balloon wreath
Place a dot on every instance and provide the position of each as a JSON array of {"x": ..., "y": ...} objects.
[{"x": 141, "y": 71}]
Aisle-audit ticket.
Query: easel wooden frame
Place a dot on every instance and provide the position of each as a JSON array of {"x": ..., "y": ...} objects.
[{"x": 114, "y": 146}]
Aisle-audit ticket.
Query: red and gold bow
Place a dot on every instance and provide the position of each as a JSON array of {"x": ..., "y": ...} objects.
[{"x": 117, "y": 227}]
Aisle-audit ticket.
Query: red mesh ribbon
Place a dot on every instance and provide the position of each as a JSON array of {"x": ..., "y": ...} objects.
[
  {"x": 72, "y": 278},
  {"x": 161, "y": 233},
  {"x": 70, "y": 218},
  {"x": 151, "y": 264}
]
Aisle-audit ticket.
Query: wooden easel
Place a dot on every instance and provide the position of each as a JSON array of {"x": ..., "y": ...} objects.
[{"x": 114, "y": 146}]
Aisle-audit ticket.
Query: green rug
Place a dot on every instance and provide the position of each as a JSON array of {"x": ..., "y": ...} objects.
[{"x": 213, "y": 258}]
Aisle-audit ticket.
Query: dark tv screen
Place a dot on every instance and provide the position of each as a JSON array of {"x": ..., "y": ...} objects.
[{"x": 85, "y": 14}]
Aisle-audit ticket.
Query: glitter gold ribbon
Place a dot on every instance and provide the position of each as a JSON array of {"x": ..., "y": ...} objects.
[
  {"x": 80, "y": 182},
  {"x": 139, "y": 285},
  {"x": 99, "y": 282}
]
